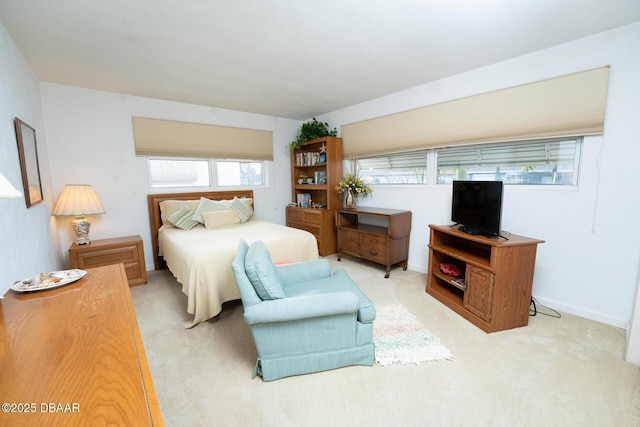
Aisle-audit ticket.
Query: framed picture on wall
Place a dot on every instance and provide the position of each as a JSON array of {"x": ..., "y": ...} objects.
[{"x": 28, "y": 153}]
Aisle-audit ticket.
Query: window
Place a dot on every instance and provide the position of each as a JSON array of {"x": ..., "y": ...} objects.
[
  {"x": 540, "y": 162},
  {"x": 397, "y": 168},
  {"x": 239, "y": 173},
  {"x": 178, "y": 173},
  {"x": 166, "y": 173},
  {"x": 548, "y": 162}
]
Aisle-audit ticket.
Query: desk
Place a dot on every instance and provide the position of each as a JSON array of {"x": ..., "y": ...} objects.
[
  {"x": 386, "y": 242},
  {"x": 74, "y": 356}
]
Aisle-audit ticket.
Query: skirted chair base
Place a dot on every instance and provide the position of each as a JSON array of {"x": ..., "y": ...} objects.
[{"x": 303, "y": 317}]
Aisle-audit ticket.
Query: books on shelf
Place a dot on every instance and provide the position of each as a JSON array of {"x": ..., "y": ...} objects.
[
  {"x": 308, "y": 159},
  {"x": 304, "y": 200}
]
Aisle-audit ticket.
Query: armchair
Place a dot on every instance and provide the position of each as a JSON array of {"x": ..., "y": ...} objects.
[{"x": 303, "y": 317}]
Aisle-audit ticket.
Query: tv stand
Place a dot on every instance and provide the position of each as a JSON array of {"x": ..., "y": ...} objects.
[
  {"x": 498, "y": 275},
  {"x": 473, "y": 231}
]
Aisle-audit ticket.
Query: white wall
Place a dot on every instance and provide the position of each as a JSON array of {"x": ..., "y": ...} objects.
[
  {"x": 28, "y": 244},
  {"x": 90, "y": 137},
  {"x": 589, "y": 263}
]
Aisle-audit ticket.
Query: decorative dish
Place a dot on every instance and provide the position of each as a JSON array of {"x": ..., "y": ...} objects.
[{"x": 52, "y": 280}]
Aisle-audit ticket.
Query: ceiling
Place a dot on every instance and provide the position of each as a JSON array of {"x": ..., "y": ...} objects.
[{"x": 288, "y": 58}]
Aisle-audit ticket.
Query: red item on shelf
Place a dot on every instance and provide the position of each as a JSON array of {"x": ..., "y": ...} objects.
[{"x": 450, "y": 269}]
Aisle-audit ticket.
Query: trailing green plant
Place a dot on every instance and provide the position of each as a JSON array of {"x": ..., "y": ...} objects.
[{"x": 311, "y": 130}]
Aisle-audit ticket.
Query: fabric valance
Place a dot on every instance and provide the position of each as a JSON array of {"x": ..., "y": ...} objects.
[
  {"x": 570, "y": 105},
  {"x": 169, "y": 138}
]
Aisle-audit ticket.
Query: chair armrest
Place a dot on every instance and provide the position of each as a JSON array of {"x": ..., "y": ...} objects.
[
  {"x": 304, "y": 271},
  {"x": 303, "y": 307}
]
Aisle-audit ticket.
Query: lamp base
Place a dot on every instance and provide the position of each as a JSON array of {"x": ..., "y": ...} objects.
[{"x": 81, "y": 227}]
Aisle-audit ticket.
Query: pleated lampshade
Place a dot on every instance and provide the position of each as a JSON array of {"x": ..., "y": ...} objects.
[{"x": 78, "y": 201}]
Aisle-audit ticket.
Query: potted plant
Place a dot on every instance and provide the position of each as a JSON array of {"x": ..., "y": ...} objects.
[{"x": 311, "y": 130}]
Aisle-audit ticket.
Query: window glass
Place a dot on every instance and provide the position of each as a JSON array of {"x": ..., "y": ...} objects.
[
  {"x": 178, "y": 173},
  {"x": 398, "y": 168},
  {"x": 239, "y": 173},
  {"x": 167, "y": 173},
  {"x": 549, "y": 162}
]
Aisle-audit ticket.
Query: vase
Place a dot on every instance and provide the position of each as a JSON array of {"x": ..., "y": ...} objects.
[{"x": 350, "y": 201}]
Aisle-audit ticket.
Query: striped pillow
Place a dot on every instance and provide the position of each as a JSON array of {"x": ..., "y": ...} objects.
[
  {"x": 183, "y": 218},
  {"x": 243, "y": 211}
]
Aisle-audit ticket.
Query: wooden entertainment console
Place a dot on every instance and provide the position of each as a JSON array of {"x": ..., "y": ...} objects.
[{"x": 497, "y": 272}]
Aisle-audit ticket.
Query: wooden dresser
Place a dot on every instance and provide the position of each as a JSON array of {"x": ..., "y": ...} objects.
[
  {"x": 74, "y": 356},
  {"x": 384, "y": 238}
]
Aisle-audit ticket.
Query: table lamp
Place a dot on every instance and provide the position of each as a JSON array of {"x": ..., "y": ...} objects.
[
  {"x": 79, "y": 200},
  {"x": 8, "y": 191}
]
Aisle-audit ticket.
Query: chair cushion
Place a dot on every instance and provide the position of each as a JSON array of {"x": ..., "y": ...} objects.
[
  {"x": 262, "y": 272},
  {"x": 339, "y": 282}
]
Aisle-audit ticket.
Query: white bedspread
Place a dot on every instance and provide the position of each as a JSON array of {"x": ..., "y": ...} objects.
[{"x": 200, "y": 259}]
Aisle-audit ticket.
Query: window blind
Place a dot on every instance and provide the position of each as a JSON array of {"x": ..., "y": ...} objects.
[
  {"x": 405, "y": 160},
  {"x": 517, "y": 153},
  {"x": 569, "y": 105},
  {"x": 169, "y": 138}
]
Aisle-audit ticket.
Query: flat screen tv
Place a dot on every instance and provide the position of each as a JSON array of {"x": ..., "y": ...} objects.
[{"x": 477, "y": 206}]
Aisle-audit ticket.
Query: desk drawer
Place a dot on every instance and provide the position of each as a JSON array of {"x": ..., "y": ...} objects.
[{"x": 374, "y": 248}]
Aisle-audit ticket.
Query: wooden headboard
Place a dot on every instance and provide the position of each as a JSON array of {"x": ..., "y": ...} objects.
[{"x": 155, "y": 220}]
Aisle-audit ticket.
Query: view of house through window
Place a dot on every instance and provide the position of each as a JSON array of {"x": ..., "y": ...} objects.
[
  {"x": 540, "y": 162},
  {"x": 167, "y": 173},
  {"x": 549, "y": 162}
]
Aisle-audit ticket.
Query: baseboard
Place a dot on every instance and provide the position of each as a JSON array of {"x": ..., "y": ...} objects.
[
  {"x": 581, "y": 312},
  {"x": 418, "y": 267}
]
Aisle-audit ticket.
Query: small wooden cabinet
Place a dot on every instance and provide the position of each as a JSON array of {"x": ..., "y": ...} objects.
[
  {"x": 126, "y": 250},
  {"x": 316, "y": 169},
  {"x": 495, "y": 293},
  {"x": 375, "y": 234}
]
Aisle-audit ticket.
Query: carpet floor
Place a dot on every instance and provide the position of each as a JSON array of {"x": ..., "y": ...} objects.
[{"x": 554, "y": 372}]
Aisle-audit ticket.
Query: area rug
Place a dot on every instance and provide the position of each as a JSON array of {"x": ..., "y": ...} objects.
[{"x": 399, "y": 338}]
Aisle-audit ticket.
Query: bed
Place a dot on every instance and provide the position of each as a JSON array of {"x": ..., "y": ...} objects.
[{"x": 200, "y": 258}]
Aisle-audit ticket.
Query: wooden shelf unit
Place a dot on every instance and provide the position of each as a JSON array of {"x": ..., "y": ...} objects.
[
  {"x": 498, "y": 276},
  {"x": 320, "y": 221},
  {"x": 386, "y": 244}
]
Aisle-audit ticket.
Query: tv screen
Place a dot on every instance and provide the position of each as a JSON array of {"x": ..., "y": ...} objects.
[{"x": 477, "y": 206}]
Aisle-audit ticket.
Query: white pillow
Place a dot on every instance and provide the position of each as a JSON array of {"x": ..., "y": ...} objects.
[
  {"x": 217, "y": 219},
  {"x": 207, "y": 205}
]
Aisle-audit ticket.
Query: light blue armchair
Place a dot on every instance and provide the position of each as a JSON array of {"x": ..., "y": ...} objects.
[{"x": 303, "y": 317}]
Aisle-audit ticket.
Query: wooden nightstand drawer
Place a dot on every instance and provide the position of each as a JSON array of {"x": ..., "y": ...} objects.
[
  {"x": 126, "y": 250},
  {"x": 98, "y": 258}
]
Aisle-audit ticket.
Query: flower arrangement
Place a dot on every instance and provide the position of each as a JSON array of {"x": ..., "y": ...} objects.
[{"x": 357, "y": 186}]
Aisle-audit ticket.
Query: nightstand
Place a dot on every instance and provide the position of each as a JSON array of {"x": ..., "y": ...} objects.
[{"x": 126, "y": 250}]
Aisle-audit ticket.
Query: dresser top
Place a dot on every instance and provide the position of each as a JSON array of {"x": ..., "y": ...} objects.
[{"x": 77, "y": 347}]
